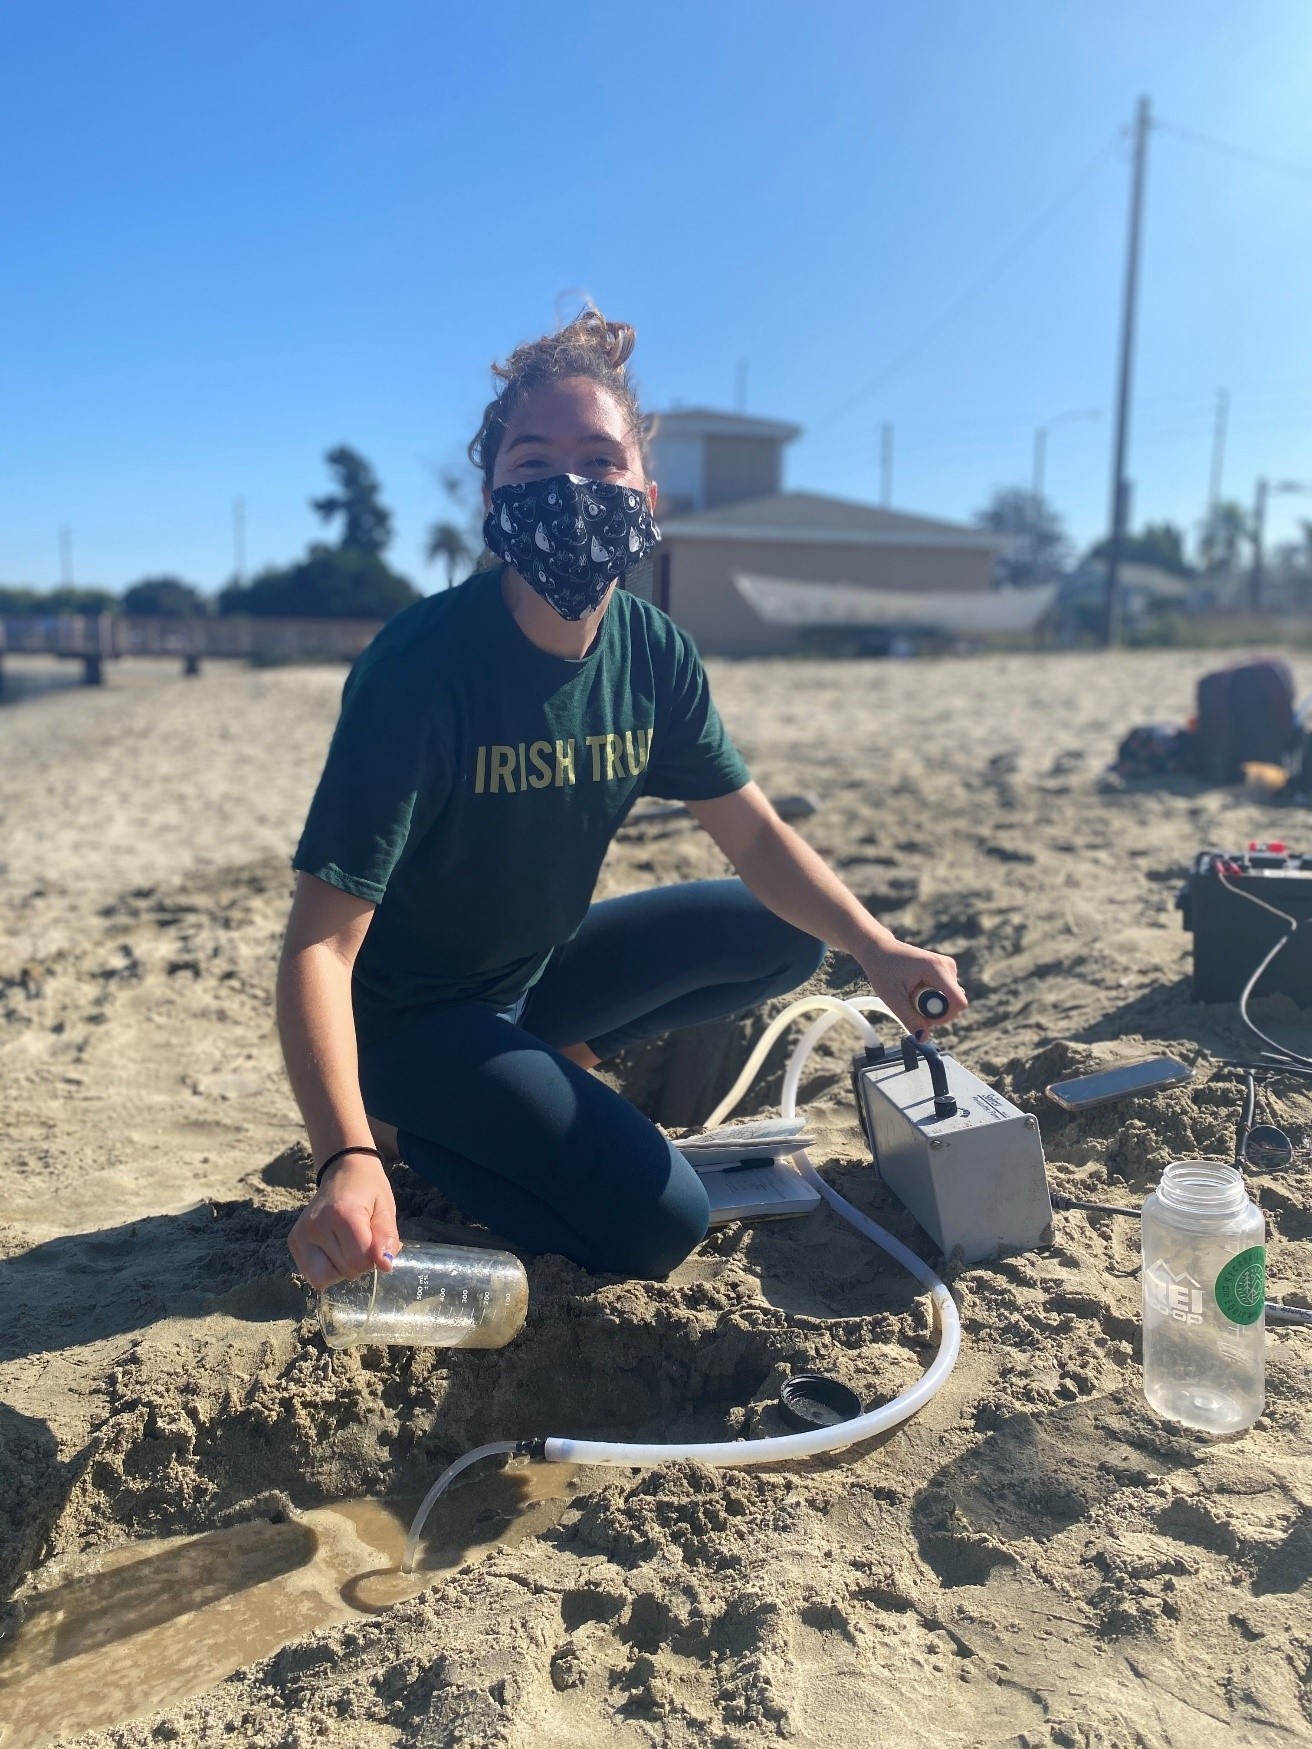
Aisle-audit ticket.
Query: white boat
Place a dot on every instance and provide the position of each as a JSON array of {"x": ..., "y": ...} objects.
[{"x": 782, "y": 602}]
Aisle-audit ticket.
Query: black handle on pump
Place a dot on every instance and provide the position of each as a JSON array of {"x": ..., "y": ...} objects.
[{"x": 913, "y": 1049}]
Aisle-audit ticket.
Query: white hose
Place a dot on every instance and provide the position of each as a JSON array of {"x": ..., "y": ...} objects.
[
  {"x": 781, "y": 1448},
  {"x": 498, "y": 1447},
  {"x": 736, "y": 1453},
  {"x": 752, "y": 1066},
  {"x": 1286, "y": 1051}
]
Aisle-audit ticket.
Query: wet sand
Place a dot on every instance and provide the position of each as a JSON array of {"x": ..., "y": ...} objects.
[{"x": 1035, "y": 1560}]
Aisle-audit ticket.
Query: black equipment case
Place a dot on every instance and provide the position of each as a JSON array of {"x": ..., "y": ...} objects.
[{"x": 1232, "y": 935}]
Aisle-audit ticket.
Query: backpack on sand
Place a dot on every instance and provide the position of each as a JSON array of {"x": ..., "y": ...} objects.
[
  {"x": 1245, "y": 713},
  {"x": 1155, "y": 750}
]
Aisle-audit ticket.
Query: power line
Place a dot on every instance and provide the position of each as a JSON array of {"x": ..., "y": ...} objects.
[
  {"x": 1163, "y": 419},
  {"x": 1243, "y": 153},
  {"x": 1183, "y": 409},
  {"x": 972, "y": 291},
  {"x": 1147, "y": 434},
  {"x": 1027, "y": 236}
]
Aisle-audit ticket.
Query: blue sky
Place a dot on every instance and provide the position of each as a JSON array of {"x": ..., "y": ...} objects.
[{"x": 238, "y": 234}]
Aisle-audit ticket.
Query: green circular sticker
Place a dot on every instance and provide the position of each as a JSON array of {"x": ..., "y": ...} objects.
[{"x": 1241, "y": 1286}]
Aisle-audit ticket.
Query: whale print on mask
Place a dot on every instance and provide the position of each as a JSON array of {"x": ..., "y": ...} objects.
[{"x": 569, "y": 537}]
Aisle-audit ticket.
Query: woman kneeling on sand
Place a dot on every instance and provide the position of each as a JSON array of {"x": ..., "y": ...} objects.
[{"x": 446, "y": 983}]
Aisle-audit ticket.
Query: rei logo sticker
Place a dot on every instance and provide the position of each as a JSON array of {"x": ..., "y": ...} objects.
[
  {"x": 1241, "y": 1286},
  {"x": 1175, "y": 1296}
]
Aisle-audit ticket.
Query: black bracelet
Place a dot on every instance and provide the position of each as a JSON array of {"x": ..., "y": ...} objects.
[{"x": 341, "y": 1155}]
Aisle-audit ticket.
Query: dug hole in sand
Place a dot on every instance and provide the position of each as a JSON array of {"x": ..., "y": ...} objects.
[{"x": 1034, "y": 1559}]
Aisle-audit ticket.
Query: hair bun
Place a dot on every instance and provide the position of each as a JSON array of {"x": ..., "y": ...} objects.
[
  {"x": 586, "y": 346},
  {"x": 614, "y": 340}
]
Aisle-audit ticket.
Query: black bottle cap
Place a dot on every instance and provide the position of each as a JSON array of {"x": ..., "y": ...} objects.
[{"x": 809, "y": 1400}]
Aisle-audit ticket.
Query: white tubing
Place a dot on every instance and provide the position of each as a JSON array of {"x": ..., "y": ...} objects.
[
  {"x": 498, "y": 1447},
  {"x": 1285, "y": 1050},
  {"x": 811, "y": 1038},
  {"x": 762, "y": 1049},
  {"x": 739, "y": 1453}
]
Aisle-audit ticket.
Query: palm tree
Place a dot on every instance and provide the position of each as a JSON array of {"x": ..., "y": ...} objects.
[
  {"x": 1224, "y": 529},
  {"x": 448, "y": 541}
]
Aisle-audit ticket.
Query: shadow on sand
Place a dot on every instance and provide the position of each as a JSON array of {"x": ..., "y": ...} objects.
[{"x": 84, "y": 1287}]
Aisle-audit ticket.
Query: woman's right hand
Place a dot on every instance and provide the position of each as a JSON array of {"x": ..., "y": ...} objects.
[{"x": 349, "y": 1226}]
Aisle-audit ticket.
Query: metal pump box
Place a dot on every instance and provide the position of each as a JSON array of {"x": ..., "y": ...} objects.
[{"x": 974, "y": 1179}]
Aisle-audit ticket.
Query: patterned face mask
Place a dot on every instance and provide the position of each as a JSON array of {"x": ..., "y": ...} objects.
[{"x": 569, "y": 538}]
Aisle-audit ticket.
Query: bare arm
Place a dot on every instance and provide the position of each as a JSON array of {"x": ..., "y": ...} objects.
[
  {"x": 350, "y": 1225},
  {"x": 787, "y": 875}
]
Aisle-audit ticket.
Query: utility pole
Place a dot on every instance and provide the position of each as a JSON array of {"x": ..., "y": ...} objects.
[
  {"x": 1263, "y": 489},
  {"x": 1111, "y": 605},
  {"x": 1040, "y": 460},
  {"x": 1036, "y": 496},
  {"x": 66, "y": 555},
  {"x": 1218, "y": 448},
  {"x": 886, "y": 465},
  {"x": 239, "y": 539},
  {"x": 1259, "y": 530},
  {"x": 740, "y": 386}
]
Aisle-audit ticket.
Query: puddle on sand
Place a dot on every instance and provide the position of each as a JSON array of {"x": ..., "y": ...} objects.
[{"x": 148, "y": 1625}]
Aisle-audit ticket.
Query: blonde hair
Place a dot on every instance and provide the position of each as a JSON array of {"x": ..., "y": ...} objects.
[{"x": 589, "y": 346}]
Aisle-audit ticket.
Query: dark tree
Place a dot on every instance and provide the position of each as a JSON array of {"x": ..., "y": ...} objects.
[
  {"x": 328, "y": 583},
  {"x": 1157, "y": 543},
  {"x": 366, "y": 522},
  {"x": 348, "y": 581},
  {"x": 1037, "y": 545},
  {"x": 68, "y": 598},
  {"x": 1225, "y": 529},
  {"x": 164, "y": 596}
]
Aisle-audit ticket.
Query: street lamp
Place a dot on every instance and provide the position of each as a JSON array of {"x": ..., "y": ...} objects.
[
  {"x": 1264, "y": 489},
  {"x": 1041, "y": 443},
  {"x": 1040, "y": 461}
]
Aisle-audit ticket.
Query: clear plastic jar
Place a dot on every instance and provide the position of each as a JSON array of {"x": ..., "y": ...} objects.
[
  {"x": 1204, "y": 1289},
  {"x": 435, "y": 1296}
]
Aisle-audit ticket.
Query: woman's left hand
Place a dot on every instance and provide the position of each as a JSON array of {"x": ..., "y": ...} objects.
[{"x": 899, "y": 972}]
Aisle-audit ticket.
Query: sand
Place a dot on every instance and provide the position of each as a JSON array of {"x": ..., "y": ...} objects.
[{"x": 1034, "y": 1560}]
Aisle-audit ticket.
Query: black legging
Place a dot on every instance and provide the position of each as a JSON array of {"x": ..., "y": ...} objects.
[{"x": 536, "y": 1148}]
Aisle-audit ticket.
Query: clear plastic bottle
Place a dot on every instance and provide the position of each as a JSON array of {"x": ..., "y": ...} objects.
[
  {"x": 436, "y": 1296},
  {"x": 1204, "y": 1288}
]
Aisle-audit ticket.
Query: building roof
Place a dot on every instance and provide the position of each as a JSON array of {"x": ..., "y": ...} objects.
[
  {"x": 812, "y": 517},
  {"x": 709, "y": 422}
]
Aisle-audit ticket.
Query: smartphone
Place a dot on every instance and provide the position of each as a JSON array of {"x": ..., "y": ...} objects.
[{"x": 1145, "y": 1076}]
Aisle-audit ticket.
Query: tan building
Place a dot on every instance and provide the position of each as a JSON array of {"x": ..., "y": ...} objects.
[{"x": 723, "y": 514}]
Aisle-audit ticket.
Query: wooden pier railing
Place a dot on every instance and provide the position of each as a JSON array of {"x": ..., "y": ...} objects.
[{"x": 96, "y": 638}]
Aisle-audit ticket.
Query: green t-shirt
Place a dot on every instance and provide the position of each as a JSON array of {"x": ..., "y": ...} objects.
[{"x": 475, "y": 781}]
